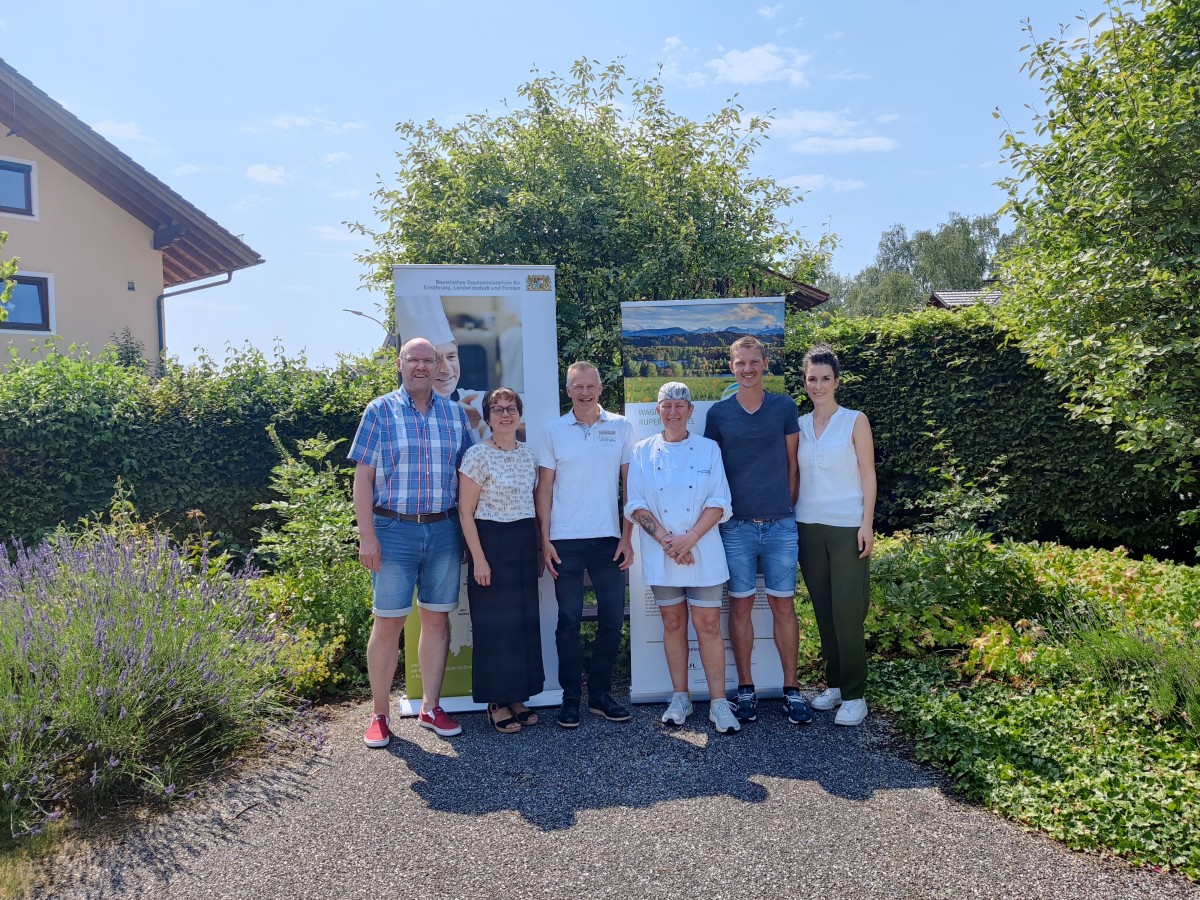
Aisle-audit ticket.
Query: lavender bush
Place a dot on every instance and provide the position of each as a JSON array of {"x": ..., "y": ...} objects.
[{"x": 128, "y": 671}]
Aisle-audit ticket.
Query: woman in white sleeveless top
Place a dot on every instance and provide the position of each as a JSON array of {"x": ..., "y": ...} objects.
[{"x": 835, "y": 514}]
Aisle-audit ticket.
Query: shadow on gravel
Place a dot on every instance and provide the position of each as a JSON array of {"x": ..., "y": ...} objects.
[{"x": 550, "y": 775}]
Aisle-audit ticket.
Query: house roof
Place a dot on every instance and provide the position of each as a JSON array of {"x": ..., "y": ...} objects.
[
  {"x": 193, "y": 245},
  {"x": 801, "y": 296},
  {"x": 957, "y": 299}
]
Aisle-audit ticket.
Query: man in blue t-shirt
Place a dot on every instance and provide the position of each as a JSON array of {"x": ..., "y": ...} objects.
[{"x": 758, "y": 433}]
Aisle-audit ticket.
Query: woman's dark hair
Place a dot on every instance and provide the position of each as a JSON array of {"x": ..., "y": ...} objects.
[
  {"x": 501, "y": 393},
  {"x": 821, "y": 355}
]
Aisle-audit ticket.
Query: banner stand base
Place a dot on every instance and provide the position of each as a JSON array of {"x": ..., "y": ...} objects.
[{"x": 407, "y": 707}]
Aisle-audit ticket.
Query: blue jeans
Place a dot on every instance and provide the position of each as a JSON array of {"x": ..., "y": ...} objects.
[
  {"x": 595, "y": 555},
  {"x": 415, "y": 557},
  {"x": 773, "y": 542}
]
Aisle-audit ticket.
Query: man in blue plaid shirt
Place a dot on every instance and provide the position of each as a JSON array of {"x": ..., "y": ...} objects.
[{"x": 407, "y": 451}]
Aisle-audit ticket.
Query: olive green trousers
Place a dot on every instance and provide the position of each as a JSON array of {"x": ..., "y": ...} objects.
[{"x": 839, "y": 584}]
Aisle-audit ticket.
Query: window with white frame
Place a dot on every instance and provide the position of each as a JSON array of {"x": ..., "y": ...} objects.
[
  {"x": 16, "y": 187},
  {"x": 28, "y": 307}
]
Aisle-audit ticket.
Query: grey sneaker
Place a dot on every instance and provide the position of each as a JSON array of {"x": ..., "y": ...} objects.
[
  {"x": 720, "y": 713},
  {"x": 678, "y": 709},
  {"x": 827, "y": 699},
  {"x": 851, "y": 713}
]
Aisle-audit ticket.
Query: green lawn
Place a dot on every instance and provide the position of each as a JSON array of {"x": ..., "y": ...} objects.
[{"x": 703, "y": 387}]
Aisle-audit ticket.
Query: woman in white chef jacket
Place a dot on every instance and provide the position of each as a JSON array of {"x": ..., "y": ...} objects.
[{"x": 678, "y": 494}]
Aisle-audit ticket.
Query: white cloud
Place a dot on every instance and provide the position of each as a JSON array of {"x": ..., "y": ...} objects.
[
  {"x": 823, "y": 182},
  {"x": 332, "y": 233},
  {"x": 887, "y": 117},
  {"x": 345, "y": 194},
  {"x": 764, "y": 63},
  {"x": 332, "y": 159},
  {"x": 866, "y": 144},
  {"x": 835, "y": 35},
  {"x": 264, "y": 174},
  {"x": 129, "y": 132},
  {"x": 814, "y": 121},
  {"x": 828, "y": 131},
  {"x": 677, "y": 64},
  {"x": 187, "y": 169},
  {"x": 769, "y": 12},
  {"x": 250, "y": 201},
  {"x": 289, "y": 121}
]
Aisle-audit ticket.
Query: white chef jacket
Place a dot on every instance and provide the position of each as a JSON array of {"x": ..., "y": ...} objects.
[{"x": 676, "y": 482}]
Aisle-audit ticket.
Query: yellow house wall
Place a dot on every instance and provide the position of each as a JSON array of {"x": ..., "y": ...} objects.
[{"x": 92, "y": 249}]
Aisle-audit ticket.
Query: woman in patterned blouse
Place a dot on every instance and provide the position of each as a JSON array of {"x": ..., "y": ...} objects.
[{"x": 495, "y": 500}]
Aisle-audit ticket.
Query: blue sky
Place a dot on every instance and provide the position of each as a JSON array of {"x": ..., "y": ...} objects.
[{"x": 277, "y": 118}]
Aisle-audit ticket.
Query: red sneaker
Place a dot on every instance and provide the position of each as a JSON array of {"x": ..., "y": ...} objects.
[
  {"x": 379, "y": 732},
  {"x": 441, "y": 723}
]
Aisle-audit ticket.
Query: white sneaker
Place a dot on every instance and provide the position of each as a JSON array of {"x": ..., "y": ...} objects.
[
  {"x": 678, "y": 710},
  {"x": 827, "y": 699},
  {"x": 720, "y": 713},
  {"x": 851, "y": 713}
]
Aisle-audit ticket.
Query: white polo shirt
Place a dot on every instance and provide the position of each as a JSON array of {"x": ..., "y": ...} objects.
[{"x": 586, "y": 460}]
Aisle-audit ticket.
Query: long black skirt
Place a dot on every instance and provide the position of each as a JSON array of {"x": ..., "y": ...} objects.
[{"x": 506, "y": 663}]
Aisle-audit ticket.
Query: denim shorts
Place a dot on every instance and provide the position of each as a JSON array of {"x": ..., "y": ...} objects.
[
  {"x": 706, "y": 597},
  {"x": 773, "y": 542},
  {"x": 421, "y": 558}
]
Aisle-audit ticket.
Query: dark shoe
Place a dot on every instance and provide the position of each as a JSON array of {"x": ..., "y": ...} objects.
[
  {"x": 745, "y": 703},
  {"x": 606, "y": 706},
  {"x": 525, "y": 715},
  {"x": 507, "y": 725},
  {"x": 568, "y": 713},
  {"x": 796, "y": 707}
]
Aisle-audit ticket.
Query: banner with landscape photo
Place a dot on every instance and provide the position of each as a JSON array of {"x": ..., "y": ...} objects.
[{"x": 688, "y": 340}]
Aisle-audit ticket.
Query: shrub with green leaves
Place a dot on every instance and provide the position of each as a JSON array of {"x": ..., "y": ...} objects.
[
  {"x": 1057, "y": 686},
  {"x": 190, "y": 440},
  {"x": 317, "y": 588}
]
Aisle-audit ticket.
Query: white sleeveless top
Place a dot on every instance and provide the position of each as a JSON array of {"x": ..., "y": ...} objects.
[{"x": 830, "y": 487}]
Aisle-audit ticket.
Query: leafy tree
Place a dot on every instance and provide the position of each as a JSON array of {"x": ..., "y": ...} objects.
[
  {"x": 629, "y": 200},
  {"x": 7, "y": 270},
  {"x": 958, "y": 255},
  {"x": 1105, "y": 291}
]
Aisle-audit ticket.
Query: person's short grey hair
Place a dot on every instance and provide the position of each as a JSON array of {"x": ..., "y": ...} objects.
[
  {"x": 674, "y": 390},
  {"x": 581, "y": 366}
]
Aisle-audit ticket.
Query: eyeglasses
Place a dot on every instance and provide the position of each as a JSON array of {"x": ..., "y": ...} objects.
[
  {"x": 506, "y": 410},
  {"x": 419, "y": 361}
]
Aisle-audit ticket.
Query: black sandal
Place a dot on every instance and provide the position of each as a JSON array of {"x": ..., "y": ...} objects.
[
  {"x": 505, "y": 726},
  {"x": 526, "y": 716}
]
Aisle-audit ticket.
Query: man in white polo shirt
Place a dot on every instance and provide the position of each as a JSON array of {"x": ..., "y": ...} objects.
[{"x": 583, "y": 466}]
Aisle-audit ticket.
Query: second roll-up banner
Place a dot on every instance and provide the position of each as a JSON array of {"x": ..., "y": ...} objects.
[{"x": 688, "y": 341}]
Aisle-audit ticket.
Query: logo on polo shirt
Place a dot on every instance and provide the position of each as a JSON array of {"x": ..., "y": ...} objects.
[{"x": 608, "y": 435}]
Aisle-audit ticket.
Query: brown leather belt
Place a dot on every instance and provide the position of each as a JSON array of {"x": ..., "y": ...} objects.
[{"x": 419, "y": 518}]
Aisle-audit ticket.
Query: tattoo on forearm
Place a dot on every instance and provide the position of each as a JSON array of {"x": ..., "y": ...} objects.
[{"x": 647, "y": 522}]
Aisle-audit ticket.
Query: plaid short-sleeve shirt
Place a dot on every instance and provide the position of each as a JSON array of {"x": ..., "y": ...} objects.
[{"x": 416, "y": 456}]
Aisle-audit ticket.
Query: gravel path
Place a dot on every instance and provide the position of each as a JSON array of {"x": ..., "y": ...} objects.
[{"x": 607, "y": 811}]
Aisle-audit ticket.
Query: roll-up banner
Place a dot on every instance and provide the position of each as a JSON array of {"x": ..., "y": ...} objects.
[
  {"x": 688, "y": 341},
  {"x": 501, "y": 321}
]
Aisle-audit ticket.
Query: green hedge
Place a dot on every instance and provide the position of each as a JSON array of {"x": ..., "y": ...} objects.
[
  {"x": 947, "y": 395},
  {"x": 193, "y": 439}
]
